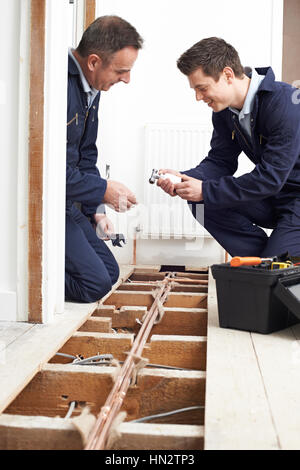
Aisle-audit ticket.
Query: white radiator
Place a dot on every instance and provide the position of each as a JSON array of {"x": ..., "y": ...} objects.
[{"x": 178, "y": 147}]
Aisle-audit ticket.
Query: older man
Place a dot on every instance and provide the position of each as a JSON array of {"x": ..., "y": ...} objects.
[{"x": 104, "y": 57}]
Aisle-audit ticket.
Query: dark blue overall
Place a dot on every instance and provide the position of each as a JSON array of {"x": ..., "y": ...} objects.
[
  {"x": 90, "y": 268},
  {"x": 235, "y": 208}
]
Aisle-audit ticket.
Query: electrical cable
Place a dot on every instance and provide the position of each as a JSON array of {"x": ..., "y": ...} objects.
[
  {"x": 66, "y": 355},
  {"x": 72, "y": 407},
  {"x": 91, "y": 361},
  {"x": 102, "y": 358},
  {"x": 168, "y": 413}
]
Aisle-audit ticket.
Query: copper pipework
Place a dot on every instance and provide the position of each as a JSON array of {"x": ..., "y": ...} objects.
[{"x": 99, "y": 434}]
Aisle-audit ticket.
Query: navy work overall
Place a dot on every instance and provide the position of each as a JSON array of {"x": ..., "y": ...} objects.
[
  {"x": 90, "y": 269},
  {"x": 235, "y": 208}
]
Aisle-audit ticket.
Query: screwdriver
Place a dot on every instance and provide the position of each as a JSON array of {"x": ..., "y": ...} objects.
[{"x": 249, "y": 261}]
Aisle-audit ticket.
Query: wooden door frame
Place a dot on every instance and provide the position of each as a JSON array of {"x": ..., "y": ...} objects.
[
  {"x": 35, "y": 160},
  {"x": 41, "y": 305},
  {"x": 90, "y": 12}
]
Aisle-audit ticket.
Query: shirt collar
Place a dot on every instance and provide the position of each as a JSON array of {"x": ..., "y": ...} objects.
[
  {"x": 252, "y": 90},
  {"x": 85, "y": 85}
]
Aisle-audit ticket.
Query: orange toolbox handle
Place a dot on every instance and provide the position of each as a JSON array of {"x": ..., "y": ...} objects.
[{"x": 245, "y": 261}]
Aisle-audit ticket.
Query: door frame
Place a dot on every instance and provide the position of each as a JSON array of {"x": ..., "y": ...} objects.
[{"x": 44, "y": 282}]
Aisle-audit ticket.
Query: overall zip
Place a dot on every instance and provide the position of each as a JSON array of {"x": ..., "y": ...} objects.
[
  {"x": 243, "y": 137},
  {"x": 75, "y": 117},
  {"x": 85, "y": 119}
]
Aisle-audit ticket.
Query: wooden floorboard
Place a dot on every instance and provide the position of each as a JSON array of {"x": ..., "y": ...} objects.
[
  {"x": 279, "y": 361},
  {"x": 10, "y": 331},
  {"x": 237, "y": 409}
]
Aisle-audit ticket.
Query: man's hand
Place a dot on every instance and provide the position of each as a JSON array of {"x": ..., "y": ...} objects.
[
  {"x": 166, "y": 184},
  {"x": 103, "y": 226},
  {"x": 119, "y": 196},
  {"x": 190, "y": 189}
]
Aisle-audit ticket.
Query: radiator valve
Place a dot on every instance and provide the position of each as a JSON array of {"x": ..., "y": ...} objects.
[{"x": 155, "y": 176}]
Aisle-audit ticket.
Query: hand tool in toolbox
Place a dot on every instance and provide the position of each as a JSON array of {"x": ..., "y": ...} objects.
[{"x": 277, "y": 262}]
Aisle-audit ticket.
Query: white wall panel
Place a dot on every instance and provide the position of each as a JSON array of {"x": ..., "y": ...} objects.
[{"x": 9, "y": 80}]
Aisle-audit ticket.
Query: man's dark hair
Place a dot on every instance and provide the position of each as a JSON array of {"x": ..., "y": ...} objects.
[
  {"x": 107, "y": 35},
  {"x": 212, "y": 55}
]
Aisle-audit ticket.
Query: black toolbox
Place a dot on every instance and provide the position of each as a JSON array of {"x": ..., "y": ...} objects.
[{"x": 255, "y": 299}]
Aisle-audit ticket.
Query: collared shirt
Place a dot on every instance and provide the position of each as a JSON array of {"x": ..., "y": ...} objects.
[
  {"x": 91, "y": 92},
  {"x": 244, "y": 114}
]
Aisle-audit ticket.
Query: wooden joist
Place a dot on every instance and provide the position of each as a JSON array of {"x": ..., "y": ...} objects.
[
  {"x": 195, "y": 275},
  {"x": 38, "y": 433},
  {"x": 44, "y": 433},
  {"x": 156, "y": 391},
  {"x": 159, "y": 437},
  {"x": 147, "y": 276},
  {"x": 97, "y": 325},
  {"x": 183, "y": 287},
  {"x": 159, "y": 276},
  {"x": 177, "y": 351},
  {"x": 121, "y": 298},
  {"x": 147, "y": 268},
  {"x": 90, "y": 344},
  {"x": 176, "y": 320}
]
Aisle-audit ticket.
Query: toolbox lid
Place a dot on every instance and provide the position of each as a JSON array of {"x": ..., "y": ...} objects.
[
  {"x": 252, "y": 274},
  {"x": 287, "y": 290}
]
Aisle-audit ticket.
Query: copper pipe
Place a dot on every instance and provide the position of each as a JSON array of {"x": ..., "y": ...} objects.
[
  {"x": 134, "y": 250},
  {"x": 115, "y": 399},
  {"x": 124, "y": 385},
  {"x": 98, "y": 437}
]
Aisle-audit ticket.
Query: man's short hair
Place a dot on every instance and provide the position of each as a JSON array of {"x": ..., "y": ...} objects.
[
  {"x": 106, "y": 36},
  {"x": 212, "y": 55}
]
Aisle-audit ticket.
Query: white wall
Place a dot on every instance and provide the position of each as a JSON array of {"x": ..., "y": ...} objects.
[
  {"x": 14, "y": 106},
  {"x": 158, "y": 92},
  {"x": 9, "y": 96}
]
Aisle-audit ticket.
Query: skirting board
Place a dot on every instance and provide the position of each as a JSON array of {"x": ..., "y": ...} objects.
[{"x": 8, "y": 306}]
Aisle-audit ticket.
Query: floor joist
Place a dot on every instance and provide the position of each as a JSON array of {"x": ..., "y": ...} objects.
[
  {"x": 177, "y": 351},
  {"x": 43, "y": 433},
  {"x": 176, "y": 299},
  {"x": 178, "y": 320}
]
